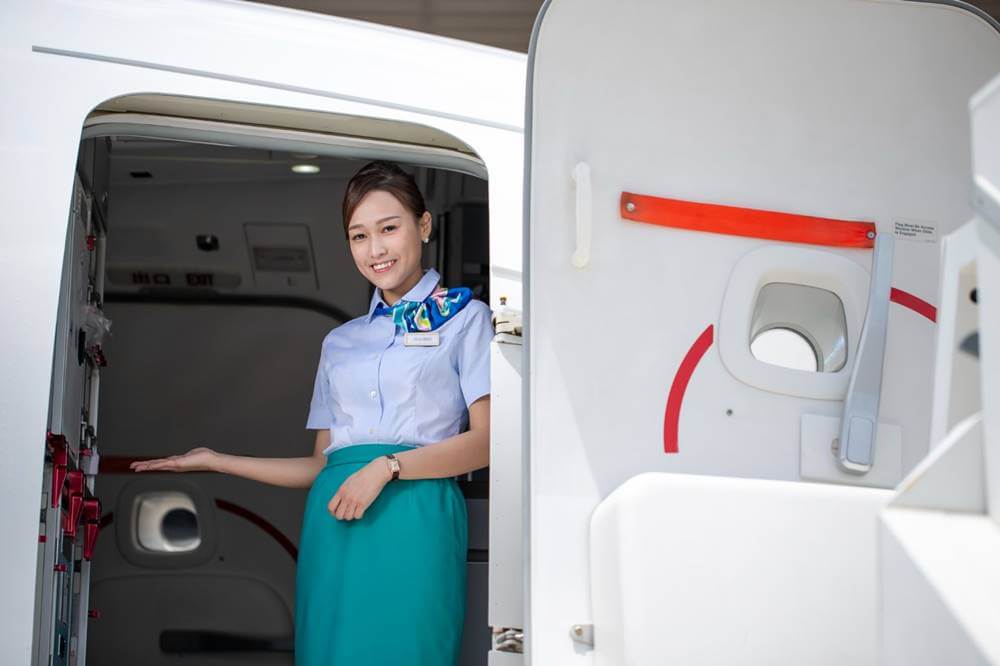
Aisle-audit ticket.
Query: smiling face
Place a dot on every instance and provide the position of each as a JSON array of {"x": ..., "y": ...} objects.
[{"x": 385, "y": 240}]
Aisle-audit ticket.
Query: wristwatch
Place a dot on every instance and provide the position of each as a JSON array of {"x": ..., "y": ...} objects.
[{"x": 393, "y": 466}]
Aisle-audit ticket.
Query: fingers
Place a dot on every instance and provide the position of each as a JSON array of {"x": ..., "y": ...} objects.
[
  {"x": 342, "y": 507},
  {"x": 155, "y": 464},
  {"x": 346, "y": 510},
  {"x": 354, "y": 496},
  {"x": 339, "y": 506}
]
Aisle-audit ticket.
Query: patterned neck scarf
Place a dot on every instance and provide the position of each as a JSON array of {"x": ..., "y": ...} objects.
[{"x": 428, "y": 314}]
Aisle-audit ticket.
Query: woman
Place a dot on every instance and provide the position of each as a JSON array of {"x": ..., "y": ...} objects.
[{"x": 382, "y": 553}]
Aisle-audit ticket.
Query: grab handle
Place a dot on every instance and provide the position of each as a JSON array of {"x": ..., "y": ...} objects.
[
  {"x": 581, "y": 176},
  {"x": 855, "y": 448}
]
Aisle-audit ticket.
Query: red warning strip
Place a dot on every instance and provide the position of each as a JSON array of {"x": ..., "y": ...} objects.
[
  {"x": 749, "y": 222},
  {"x": 260, "y": 522},
  {"x": 672, "y": 416},
  {"x": 918, "y": 305},
  {"x": 117, "y": 464}
]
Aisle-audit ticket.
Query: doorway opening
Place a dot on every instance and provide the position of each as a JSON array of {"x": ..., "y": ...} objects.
[{"x": 222, "y": 266}]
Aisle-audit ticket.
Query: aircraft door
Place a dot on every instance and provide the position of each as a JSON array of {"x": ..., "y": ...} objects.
[
  {"x": 707, "y": 185},
  {"x": 70, "y": 511}
]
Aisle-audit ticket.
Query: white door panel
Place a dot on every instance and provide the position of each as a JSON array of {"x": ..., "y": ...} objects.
[{"x": 832, "y": 108}]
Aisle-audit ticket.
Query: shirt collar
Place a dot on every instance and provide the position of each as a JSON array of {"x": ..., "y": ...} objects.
[{"x": 419, "y": 292}]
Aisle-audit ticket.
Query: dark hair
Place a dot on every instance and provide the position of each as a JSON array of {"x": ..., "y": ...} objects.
[{"x": 387, "y": 176}]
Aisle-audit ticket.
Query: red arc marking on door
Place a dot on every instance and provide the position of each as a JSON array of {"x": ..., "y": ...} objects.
[
  {"x": 918, "y": 305},
  {"x": 672, "y": 416}
]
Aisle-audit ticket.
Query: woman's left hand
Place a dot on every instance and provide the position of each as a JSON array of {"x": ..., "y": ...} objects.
[{"x": 359, "y": 490}]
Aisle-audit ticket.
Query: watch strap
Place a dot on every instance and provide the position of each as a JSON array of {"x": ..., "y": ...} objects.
[{"x": 393, "y": 465}]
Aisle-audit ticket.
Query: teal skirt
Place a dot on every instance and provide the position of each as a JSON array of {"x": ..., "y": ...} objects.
[{"x": 389, "y": 587}]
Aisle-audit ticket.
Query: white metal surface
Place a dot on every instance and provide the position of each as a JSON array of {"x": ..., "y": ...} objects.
[
  {"x": 939, "y": 588},
  {"x": 940, "y": 537},
  {"x": 938, "y": 554},
  {"x": 988, "y": 266},
  {"x": 842, "y": 109},
  {"x": 986, "y": 153},
  {"x": 705, "y": 570},
  {"x": 956, "y": 374},
  {"x": 506, "y": 587}
]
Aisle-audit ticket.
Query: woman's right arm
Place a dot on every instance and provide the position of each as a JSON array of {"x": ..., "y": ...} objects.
[{"x": 287, "y": 472}]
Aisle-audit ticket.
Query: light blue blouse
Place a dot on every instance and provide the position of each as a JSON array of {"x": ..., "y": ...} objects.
[{"x": 370, "y": 387}]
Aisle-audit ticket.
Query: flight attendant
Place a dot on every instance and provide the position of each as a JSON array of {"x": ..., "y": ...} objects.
[{"x": 400, "y": 406}]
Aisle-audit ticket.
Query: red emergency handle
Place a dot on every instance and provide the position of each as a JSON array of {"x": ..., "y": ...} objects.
[
  {"x": 58, "y": 447},
  {"x": 97, "y": 353},
  {"x": 748, "y": 222},
  {"x": 74, "y": 502},
  {"x": 91, "y": 525}
]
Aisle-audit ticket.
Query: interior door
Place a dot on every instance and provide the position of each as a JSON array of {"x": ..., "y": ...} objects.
[{"x": 741, "y": 134}]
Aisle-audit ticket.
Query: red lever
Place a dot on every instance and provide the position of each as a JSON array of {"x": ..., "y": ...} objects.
[
  {"x": 91, "y": 525},
  {"x": 94, "y": 614},
  {"x": 74, "y": 491},
  {"x": 57, "y": 445},
  {"x": 98, "y": 355},
  {"x": 91, "y": 242},
  {"x": 87, "y": 445}
]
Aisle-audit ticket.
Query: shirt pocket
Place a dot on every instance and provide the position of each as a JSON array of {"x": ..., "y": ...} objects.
[
  {"x": 402, "y": 368},
  {"x": 438, "y": 399},
  {"x": 345, "y": 375}
]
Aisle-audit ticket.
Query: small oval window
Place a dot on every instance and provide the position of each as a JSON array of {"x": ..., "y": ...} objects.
[
  {"x": 799, "y": 327},
  {"x": 166, "y": 522},
  {"x": 786, "y": 348},
  {"x": 180, "y": 529}
]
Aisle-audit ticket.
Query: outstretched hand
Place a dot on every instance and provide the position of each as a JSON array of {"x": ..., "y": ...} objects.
[
  {"x": 359, "y": 490},
  {"x": 200, "y": 459}
]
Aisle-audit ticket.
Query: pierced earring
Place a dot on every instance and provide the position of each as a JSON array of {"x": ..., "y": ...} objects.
[{"x": 427, "y": 240}]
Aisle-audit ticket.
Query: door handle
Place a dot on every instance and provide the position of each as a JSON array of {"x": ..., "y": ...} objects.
[
  {"x": 584, "y": 218},
  {"x": 855, "y": 448}
]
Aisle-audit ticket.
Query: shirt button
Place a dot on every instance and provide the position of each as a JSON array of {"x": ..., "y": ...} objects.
[
  {"x": 373, "y": 395},
  {"x": 371, "y": 431}
]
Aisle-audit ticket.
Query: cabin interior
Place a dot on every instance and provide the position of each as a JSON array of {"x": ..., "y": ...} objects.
[{"x": 224, "y": 268}]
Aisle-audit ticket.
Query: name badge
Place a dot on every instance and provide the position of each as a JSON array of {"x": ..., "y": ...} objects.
[{"x": 427, "y": 339}]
